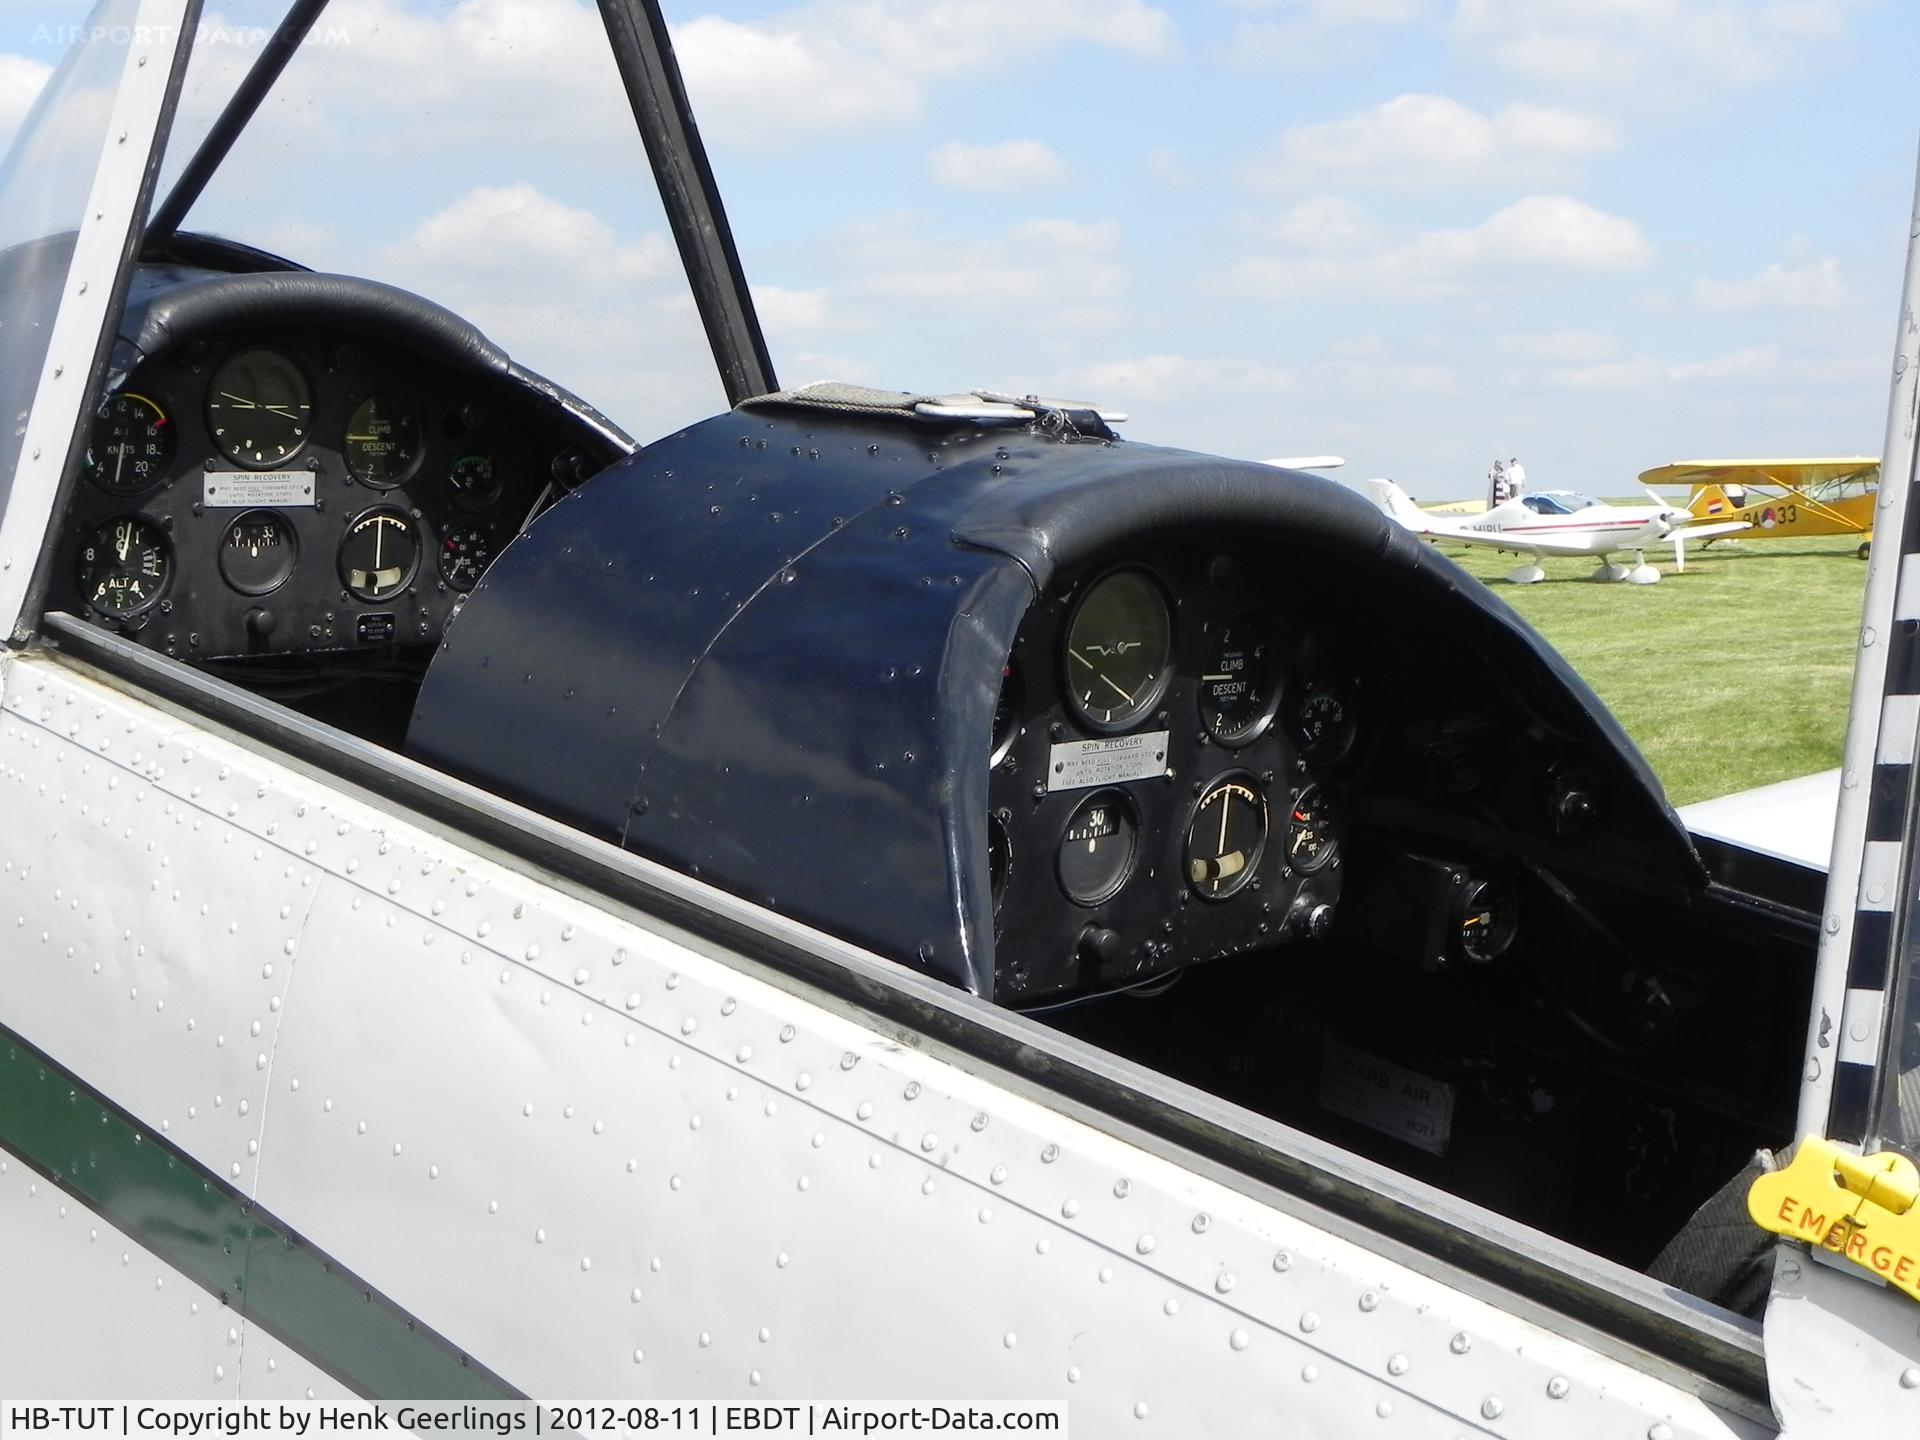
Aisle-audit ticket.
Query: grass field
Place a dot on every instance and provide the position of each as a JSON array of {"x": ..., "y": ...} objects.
[{"x": 1731, "y": 675}]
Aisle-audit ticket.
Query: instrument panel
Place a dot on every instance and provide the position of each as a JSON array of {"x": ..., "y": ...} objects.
[
  {"x": 301, "y": 492},
  {"x": 1169, "y": 773}
]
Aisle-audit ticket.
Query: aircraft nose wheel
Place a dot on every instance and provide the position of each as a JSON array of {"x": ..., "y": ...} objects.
[{"x": 1866, "y": 549}]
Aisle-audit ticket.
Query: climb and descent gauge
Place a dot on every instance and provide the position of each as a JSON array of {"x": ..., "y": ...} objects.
[
  {"x": 131, "y": 445},
  {"x": 257, "y": 552},
  {"x": 1486, "y": 918},
  {"x": 379, "y": 554},
  {"x": 465, "y": 554},
  {"x": 472, "y": 483},
  {"x": 1324, "y": 725},
  {"x": 382, "y": 443},
  {"x": 1237, "y": 692},
  {"x": 259, "y": 408},
  {"x": 1119, "y": 650},
  {"x": 1096, "y": 853},
  {"x": 1311, "y": 839},
  {"x": 124, "y": 567},
  {"x": 1225, "y": 837}
]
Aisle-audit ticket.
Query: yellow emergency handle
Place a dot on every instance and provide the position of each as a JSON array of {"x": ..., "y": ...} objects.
[{"x": 1865, "y": 1208}]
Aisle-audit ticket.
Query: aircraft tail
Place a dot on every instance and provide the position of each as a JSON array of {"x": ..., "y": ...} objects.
[
  {"x": 1396, "y": 504},
  {"x": 1716, "y": 502}
]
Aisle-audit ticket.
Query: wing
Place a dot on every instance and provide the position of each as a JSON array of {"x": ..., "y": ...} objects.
[
  {"x": 1518, "y": 544},
  {"x": 1705, "y": 532},
  {"x": 1790, "y": 474}
]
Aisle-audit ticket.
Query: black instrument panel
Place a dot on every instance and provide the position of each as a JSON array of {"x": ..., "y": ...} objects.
[
  {"x": 1169, "y": 778},
  {"x": 303, "y": 492}
]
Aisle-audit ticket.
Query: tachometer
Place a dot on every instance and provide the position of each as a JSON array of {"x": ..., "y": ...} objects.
[
  {"x": 382, "y": 443},
  {"x": 257, "y": 552},
  {"x": 1312, "y": 839},
  {"x": 1237, "y": 692},
  {"x": 124, "y": 567},
  {"x": 379, "y": 554},
  {"x": 131, "y": 444},
  {"x": 1225, "y": 837},
  {"x": 1324, "y": 725},
  {"x": 1119, "y": 650},
  {"x": 258, "y": 408},
  {"x": 1096, "y": 853}
]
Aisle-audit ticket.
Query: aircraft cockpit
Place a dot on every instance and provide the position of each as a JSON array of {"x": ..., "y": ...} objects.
[{"x": 1201, "y": 762}]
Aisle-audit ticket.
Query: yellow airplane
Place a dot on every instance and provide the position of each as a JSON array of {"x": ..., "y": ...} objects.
[{"x": 1779, "y": 498}]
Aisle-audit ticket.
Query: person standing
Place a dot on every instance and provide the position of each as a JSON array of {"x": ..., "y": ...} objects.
[
  {"x": 1498, "y": 488},
  {"x": 1516, "y": 478}
]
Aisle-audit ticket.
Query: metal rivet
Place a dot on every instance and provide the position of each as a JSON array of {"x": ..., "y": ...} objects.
[
  {"x": 1398, "y": 1365},
  {"x": 1461, "y": 1343},
  {"x": 1309, "y": 1322},
  {"x": 1491, "y": 1408},
  {"x": 1558, "y": 1387}
]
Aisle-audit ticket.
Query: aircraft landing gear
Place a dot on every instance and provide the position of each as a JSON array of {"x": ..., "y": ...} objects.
[
  {"x": 1640, "y": 573},
  {"x": 1866, "y": 549},
  {"x": 1528, "y": 574}
]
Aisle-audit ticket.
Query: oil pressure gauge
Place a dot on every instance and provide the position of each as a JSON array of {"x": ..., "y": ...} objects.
[{"x": 1312, "y": 838}]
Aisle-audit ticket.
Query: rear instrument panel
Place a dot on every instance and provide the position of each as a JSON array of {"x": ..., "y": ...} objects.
[{"x": 300, "y": 494}]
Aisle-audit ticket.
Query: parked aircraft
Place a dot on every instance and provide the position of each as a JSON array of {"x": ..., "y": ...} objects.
[
  {"x": 1561, "y": 522},
  {"x": 870, "y": 894},
  {"x": 1781, "y": 499}
]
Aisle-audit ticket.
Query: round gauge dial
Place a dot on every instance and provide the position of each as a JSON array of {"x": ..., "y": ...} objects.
[
  {"x": 1312, "y": 837},
  {"x": 1226, "y": 836},
  {"x": 1096, "y": 853},
  {"x": 257, "y": 552},
  {"x": 379, "y": 554},
  {"x": 1006, "y": 715},
  {"x": 1486, "y": 918},
  {"x": 999, "y": 859},
  {"x": 258, "y": 408},
  {"x": 1237, "y": 692},
  {"x": 131, "y": 445},
  {"x": 473, "y": 483},
  {"x": 465, "y": 554},
  {"x": 1324, "y": 725},
  {"x": 1119, "y": 650},
  {"x": 382, "y": 443},
  {"x": 124, "y": 567}
]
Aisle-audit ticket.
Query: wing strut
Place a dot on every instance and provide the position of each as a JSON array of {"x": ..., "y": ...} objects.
[{"x": 644, "y": 52}]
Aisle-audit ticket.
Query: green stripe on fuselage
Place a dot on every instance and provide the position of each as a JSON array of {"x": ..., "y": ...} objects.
[{"x": 214, "y": 1235}]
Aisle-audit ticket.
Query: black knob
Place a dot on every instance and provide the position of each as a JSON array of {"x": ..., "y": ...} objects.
[
  {"x": 1099, "y": 944},
  {"x": 260, "y": 621}
]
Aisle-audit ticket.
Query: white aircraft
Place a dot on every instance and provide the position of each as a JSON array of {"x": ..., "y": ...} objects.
[
  {"x": 856, "y": 898},
  {"x": 1560, "y": 522}
]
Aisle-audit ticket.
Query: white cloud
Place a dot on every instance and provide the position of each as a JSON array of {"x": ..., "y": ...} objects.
[
  {"x": 1312, "y": 34},
  {"x": 20, "y": 83},
  {"x": 1815, "y": 285},
  {"x": 1626, "y": 44},
  {"x": 1165, "y": 165},
  {"x": 785, "y": 313},
  {"x": 1165, "y": 376},
  {"x": 1423, "y": 142},
  {"x": 1538, "y": 236},
  {"x": 1044, "y": 261},
  {"x": 1010, "y": 165},
  {"x": 1563, "y": 347},
  {"x": 512, "y": 232},
  {"x": 838, "y": 66},
  {"x": 1746, "y": 365}
]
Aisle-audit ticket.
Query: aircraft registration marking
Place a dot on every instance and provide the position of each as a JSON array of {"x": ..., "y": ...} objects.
[
  {"x": 245, "y": 489},
  {"x": 1395, "y": 1101},
  {"x": 1080, "y": 764}
]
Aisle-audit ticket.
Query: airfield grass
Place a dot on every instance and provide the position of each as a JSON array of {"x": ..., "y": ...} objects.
[{"x": 1734, "y": 674}]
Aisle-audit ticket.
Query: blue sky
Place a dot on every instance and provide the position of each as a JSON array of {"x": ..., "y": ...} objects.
[{"x": 1597, "y": 234}]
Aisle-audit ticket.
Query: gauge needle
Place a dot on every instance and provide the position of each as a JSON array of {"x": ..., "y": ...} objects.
[
  {"x": 125, "y": 536},
  {"x": 1300, "y": 837},
  {"x": 379, "y": 535},
  {"x": 119, "y": 460},
  {"x": 1116, "y": 689},
  {"x": 243, "y": 404},
  {"x": 1226, "y": 806}
]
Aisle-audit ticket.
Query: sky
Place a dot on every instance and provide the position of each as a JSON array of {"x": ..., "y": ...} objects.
[{"x": 1599, "y": 235}]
